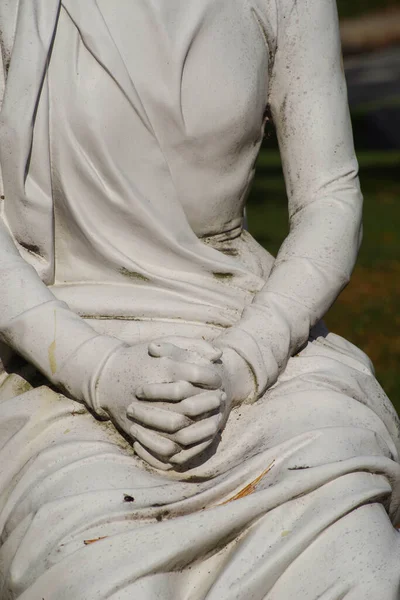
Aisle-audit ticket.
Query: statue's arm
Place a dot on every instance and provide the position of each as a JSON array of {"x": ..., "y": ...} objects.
[
  {"x": 32, "y": 322},
  {"x": 101, "y": 371},
  {"x": 308, "y": 99},
  {"x": 45, "y": 331}
]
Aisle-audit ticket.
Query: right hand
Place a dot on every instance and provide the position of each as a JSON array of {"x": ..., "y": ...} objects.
[{"x": 132, "y": 368}]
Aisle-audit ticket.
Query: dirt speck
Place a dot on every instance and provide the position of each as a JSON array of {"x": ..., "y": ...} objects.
[{"x": 31, "y": 248}]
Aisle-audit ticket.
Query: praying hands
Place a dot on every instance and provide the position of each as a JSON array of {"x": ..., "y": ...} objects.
[{"x": 176, "y": 401}]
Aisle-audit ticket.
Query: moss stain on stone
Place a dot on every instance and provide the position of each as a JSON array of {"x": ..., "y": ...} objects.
[
  {"x": 23, "y": 387},
  {"x": 52, "y": 357},
  {"x": 230, "y": 251},
  {"x": 133, "y": 275},
  {"x": 223, "y": 276},
  {"x": 52, "y": 348}
]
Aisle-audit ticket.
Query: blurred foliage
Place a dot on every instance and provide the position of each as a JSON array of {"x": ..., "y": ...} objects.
[{"x": 354, "y": 8}]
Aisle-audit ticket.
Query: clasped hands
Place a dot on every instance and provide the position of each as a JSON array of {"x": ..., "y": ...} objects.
[{"x": 173, "y": 396}]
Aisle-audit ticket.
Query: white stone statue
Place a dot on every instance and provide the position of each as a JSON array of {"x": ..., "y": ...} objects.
[{"x": 175, "y": 421}]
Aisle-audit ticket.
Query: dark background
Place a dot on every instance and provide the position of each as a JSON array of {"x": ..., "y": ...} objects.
[
  {"x": 351, "y": 8},
  {"x": 368, "y": 311}
]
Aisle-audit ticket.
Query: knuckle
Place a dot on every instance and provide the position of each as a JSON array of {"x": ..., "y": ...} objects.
[
  {"x": 183, "y": 388},
  {"x": 185, "y": 436},
  {"x": 175, "y": 422},
  {"x": 189, "y": 407},
  {"x": 175, "y": 392},
  {"x": 146, "y": 391},
  {"x": 166, "y": 447},
  {"x": 196, "y": 372},
  {"x": 182, "y": 438}
]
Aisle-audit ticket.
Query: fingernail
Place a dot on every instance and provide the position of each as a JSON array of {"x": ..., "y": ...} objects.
[
  {"x": 139, "y": 391},
  {"x": 130, "y": 411},
  {"x": 224, "y": 397}
]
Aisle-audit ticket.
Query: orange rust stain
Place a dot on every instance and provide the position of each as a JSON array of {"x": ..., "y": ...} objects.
[
  {"x": 250, "y": 488},
  {"x": 88, "y": 542}
]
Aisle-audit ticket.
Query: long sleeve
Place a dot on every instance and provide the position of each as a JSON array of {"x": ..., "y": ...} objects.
[
  {"x": 32, "y": 322},
  {"x": 46, "y": 332},
  {"x": 308, "y": 100}
]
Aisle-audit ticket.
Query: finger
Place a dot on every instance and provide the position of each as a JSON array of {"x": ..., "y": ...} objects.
[
  {"x": 150, "y": 459},
  {"x": 166, "y": 350},
  {"x": 201, "y": 403},
  {"x": 199, "y": 346},
  {"x": 157, "y": 418},
  {"x": 202, "y": 376},
  {"x": 161, "y": 349},
  {"x": 198, "y": 432},
  {"x": 154, "y": 442},
  {"x": 173, "y": 392},
  {"x": 185, "y": 455},
  {"x": 179, "y": 356}
]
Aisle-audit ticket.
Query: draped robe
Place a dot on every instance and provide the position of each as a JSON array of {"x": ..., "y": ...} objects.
[{"x": 299, "y": 495}]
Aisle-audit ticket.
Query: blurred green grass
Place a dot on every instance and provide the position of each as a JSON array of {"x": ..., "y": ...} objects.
[
  {"x": 367, "y": 312},
  {"x": 353, "y": 8}
]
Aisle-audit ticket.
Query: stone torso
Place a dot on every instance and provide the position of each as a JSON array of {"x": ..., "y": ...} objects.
[{"x": 200, "y": 78}]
